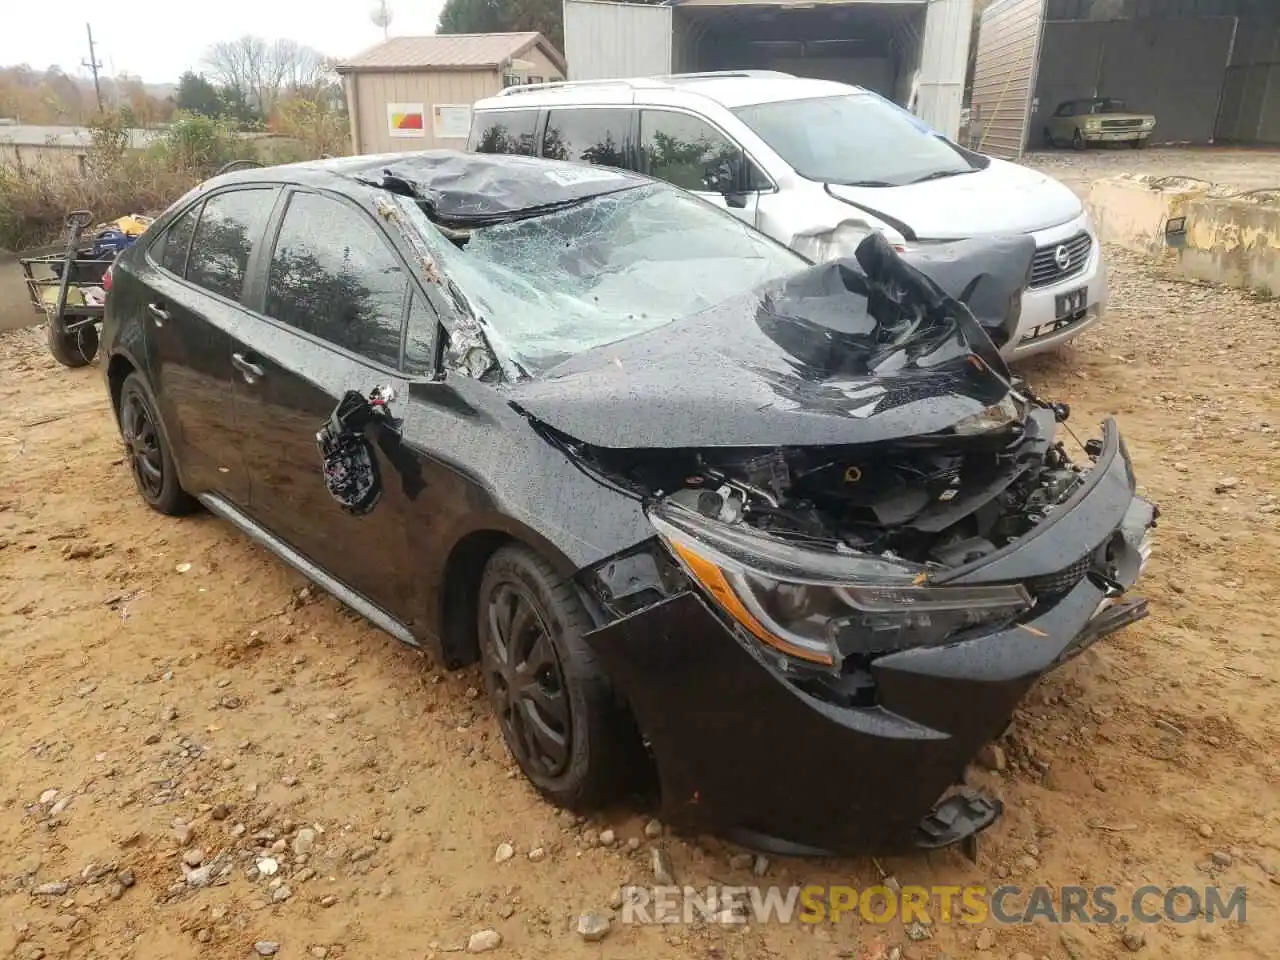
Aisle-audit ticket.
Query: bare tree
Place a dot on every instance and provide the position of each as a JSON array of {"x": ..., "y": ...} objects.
[{"x": 260, "y": 71}]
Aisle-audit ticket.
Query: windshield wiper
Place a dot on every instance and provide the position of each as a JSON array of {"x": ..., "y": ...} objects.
[{"x": 940, "y": 174}]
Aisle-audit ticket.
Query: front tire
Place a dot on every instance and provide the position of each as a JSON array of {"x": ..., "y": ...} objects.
[
  {"x": 147, "y": 451},
  {"x": 1048, "y": 138},
  {"x": 557, "y": 710},
  {"x": 1139, "y": 144},
  {"x": 1078, "y": 142}
]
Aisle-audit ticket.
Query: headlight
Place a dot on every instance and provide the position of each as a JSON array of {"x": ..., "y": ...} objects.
[
  {"x": 1092, "y": 124},
  {"x": 819, "y": 607},
  {"x": 998, "y": 417},
  {"x": 841, "y": 241}
]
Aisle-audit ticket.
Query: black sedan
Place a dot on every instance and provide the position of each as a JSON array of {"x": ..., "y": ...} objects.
[{"x": 790, "y": 536}]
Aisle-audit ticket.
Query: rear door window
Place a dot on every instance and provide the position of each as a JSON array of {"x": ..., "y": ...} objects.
[
  {"x": 504, "y": 131},
  {"x": 230, "y": 225},
  {"x": 334, "y": 275},
  {"x": 172, "y": 252},
  {"x": 600, "y": 136},
  {"x": 683, "y": 150}
]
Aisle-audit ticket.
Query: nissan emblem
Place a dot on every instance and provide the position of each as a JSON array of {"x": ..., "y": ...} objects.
[{"x": 1062, "y": 257}]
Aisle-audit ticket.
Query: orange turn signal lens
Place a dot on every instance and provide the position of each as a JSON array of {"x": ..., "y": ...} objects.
[{"x": 712, "y": 578}]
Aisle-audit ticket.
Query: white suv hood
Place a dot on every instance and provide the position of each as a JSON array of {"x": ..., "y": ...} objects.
[{"x": 1002, "y": 199}]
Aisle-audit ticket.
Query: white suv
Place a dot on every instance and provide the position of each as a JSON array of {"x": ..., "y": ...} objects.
[{"x": 817, "y": 165}]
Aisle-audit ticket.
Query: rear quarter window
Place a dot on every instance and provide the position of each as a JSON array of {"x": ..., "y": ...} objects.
[
  {"x": 504, "y": 131},
  {"x": 171, "y": 250},
  {"x": 231, "y": 224}
]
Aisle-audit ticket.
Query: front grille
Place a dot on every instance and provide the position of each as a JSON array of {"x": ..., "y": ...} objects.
[
  {"x": 1121, "y": 124},
  {"x": 1045, "y": 268},
  {"x": 1053, "y": 585}
]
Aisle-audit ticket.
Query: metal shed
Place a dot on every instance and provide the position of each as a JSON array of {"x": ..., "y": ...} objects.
[
  {"x": 415, "y": 93},
  {"x": 1208, "y": 69},
  {"x": 913, "y": 51}
]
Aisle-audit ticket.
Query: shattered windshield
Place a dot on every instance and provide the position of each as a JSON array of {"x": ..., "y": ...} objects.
[
  {"x": 855, "y": 139},
  {"x": 547, "y": 287}
]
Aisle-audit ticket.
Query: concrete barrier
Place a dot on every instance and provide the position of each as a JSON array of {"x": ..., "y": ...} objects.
[
  {"x": 1203, "y": 230},
  {"x": 1134, "y": 211},
  {"x": 1235, "y": 241}
]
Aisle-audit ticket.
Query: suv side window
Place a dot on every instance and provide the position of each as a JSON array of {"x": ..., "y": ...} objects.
[
  {"x": 600, "y": 136},
  {"x": 334, "y": 275},
  {"x": 682, "y": 150},
  {"x": 230, "y": 224},
  {"x": 504, "y": 131},
  {"x": 172, "y": 250}
]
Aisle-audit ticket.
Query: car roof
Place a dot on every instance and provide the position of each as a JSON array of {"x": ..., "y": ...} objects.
[
  {"x": 458, "y": 186},
  {"x": 729, "y": 89}
]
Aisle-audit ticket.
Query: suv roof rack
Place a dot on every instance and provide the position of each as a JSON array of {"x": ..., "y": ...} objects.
[{"x": 642, "y": 83}]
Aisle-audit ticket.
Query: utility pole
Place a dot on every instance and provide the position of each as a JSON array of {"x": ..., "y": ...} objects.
[{"x": 93, "y": 64}]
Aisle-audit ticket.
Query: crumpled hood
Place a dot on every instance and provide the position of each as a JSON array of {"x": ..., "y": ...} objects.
[
  {"x": 1004, "y": 198},
  {"x": 850, "y": 351}
]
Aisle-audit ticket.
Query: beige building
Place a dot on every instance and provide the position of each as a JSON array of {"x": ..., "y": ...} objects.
[{"x": 415, "y": 93}]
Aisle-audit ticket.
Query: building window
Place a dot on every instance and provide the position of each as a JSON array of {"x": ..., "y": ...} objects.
[
  {"x": 534, "y": 78},
  {"x": 511, "y": 80}
]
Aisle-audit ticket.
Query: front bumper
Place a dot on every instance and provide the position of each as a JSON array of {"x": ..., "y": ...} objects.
[
  {"x": 1040, "y": 329},
  {"x": 1115, "y": 136},
  {"x": 744, "y": 752}
]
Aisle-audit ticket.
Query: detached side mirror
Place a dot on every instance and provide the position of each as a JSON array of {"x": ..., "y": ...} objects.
[{"x": 737, "y": 201}]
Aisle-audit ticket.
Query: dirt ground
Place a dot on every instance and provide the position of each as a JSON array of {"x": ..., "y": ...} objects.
[
  {"x": 1243, "y": 168},
  {"x": 169, "y": 690}
]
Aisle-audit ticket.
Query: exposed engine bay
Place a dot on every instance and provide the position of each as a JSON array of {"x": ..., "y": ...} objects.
[{"x": 932, "y": 500}]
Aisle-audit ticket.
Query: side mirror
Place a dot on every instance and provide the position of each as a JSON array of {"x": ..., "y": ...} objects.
[
  {"x": 737, "y": 201},
  {"x": 721, "y": 176}
]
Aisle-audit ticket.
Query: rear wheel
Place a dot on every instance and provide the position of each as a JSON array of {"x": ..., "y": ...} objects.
[
  {"x": 150, "y": 460},
  {"x": 1078, "y": 141},
  {"x": 75, "y": 348},
  {"x": 558, "y": 714}
]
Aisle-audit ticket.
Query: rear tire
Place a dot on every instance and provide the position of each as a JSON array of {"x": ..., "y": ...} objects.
[
  {"x": 74, "y": 349},
  {"x": 147, "y": 451},
  {"x": 557, "y": 710}
]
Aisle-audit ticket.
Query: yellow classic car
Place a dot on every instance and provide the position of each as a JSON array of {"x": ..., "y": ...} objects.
[{"x": 1097, "y": 120}]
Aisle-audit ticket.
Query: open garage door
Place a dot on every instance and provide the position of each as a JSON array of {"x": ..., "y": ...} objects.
[
  {"x": 1004, "y": 76},
  {"x": 1171, "y": 67}
]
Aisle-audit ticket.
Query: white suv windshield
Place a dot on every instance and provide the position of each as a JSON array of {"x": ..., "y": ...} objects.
[
  {"x": 550, "y": 286},
  {"x": 856, "y": 139}
]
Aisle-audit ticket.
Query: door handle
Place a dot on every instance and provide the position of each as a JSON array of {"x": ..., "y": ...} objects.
[
  {"x": 247, "y": 367},
  {"x": 158, "y": 314}
]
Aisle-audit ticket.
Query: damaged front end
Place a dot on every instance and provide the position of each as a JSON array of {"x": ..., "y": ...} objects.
[{"x": 821, "y": 636}]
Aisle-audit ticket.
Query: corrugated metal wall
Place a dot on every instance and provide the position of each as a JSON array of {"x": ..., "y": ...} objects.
[
  {"x": 944, "y": 59},
  {"x": 1004, "y": 76},
  {"x": 1250, "y": 110},
  {"x": 605, "y": 40}
]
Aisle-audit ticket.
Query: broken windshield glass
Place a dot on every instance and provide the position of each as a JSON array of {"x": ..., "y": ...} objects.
[{"x": 613, "y": 266}]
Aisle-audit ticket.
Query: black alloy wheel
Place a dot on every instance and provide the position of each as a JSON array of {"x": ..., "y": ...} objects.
[
  {"x": 565, "y": 726},
  {"x": 527, "y": 682},
  {"x": 147, "y": 451}
]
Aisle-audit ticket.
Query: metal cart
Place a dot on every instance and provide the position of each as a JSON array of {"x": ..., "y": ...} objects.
[{"x": 67, "y": 289}]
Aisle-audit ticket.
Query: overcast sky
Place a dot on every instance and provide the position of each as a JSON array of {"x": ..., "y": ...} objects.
[{"x": 159, "y": 39}]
